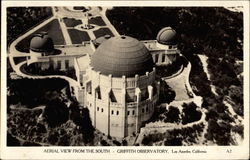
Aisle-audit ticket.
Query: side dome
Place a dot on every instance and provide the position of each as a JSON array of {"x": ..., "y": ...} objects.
[
  {"x": 166, "y": 36},
  {"x": 41, "y": 43},
  {"x": 122, "y": 55}
]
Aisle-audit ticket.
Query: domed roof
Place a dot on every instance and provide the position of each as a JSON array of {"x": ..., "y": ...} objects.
[
  {"x": 166, "y": 35},
  {"x": 41, "y": 43},
  {"x": 122, "y": 55}
]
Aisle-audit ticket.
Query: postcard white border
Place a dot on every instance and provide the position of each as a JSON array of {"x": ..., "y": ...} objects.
[{"x": 213, "y": 152}]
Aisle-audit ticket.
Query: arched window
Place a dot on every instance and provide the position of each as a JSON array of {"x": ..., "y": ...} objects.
[
  {"x": 102, "y": 109},
  {"x": 117, "y": 112},
  {"x": 112, "y": 112}
]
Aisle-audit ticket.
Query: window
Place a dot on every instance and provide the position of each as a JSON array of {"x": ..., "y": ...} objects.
[
  {"x": 142, "y": 110},
  {"x": 102, "y": 109},
  {"x": 97, "y": 108},
  {"x": 59, "y": 64},
  {"x": 112, "y": 112},
  {"x": 156, "y": 58},
  {"x": 117, "y": 112},
  {"x": 128, "y": 112},
  {"x": 66, "y": 64},
  {"x": 146, "y": 109},
  {"x": 170, "y": 47},
  {"x": 133, "y": 112},
  {"x": 163, "y": 58}
]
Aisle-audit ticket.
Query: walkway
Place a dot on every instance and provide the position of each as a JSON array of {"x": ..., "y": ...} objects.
[
  {"x": 204, "y": 60},
  {"x": 181, "y": 85},
  {"x": 65, "y": 32},
  {"x": 18, "y": 71}
]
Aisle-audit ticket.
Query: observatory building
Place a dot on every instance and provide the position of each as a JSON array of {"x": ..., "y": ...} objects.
[
  {"x": 115, "y": 77},
  {"x": 120, "y": 87}
]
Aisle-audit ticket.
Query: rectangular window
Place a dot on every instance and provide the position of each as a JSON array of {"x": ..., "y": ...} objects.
[
  {"x": 142, "y": 110},
  {"x": 163, "y": 58},
  {"x": 102, "y": 109},
  {"x": 133, "y": 112},
  {"x": 128, "y": 112},
  {"x": 59, "y": 63},
  {"x": 66, "y": 64},
  {"x": 146, "y": 109},
  {"x": 97, "y": 108},
  {"x": 117, "y": 112},
  {"x": 112, "y": 112},
  {"x": 156, "y": 58}
]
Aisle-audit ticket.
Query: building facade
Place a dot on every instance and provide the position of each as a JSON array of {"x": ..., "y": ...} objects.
[
  {"x": 120, "y": 88},
  {"x": 117, "y": 82}
]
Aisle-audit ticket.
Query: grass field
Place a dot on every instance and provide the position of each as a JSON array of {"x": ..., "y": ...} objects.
[
  {"x": 71, "y": 22},
  {"x": 102, "y": 32},
  {"x": 54, "y": 31},
  {"x": 77, "y": 37},
  {"x": 97, "y": 21}
]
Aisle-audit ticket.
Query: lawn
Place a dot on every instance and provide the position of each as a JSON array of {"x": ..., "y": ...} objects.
[
  {"x": 19, "y": 59},
  {"x": 54, "y": 31},
  {"x": 102, "y": 32},
  {"x": 71, "y": 22},
  {"x": 97, "y": 21},
  {"x": 77, "y": 37}
]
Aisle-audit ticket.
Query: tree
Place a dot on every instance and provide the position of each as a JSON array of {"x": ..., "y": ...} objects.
[
  {"x": 56, "y": 113},
  {"x": 190, "y": 114}
]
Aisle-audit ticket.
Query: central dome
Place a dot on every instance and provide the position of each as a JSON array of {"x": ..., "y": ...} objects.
[{"x": 122, "y": 56}]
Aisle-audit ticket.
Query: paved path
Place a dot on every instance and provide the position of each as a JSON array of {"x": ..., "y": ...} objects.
[
  {"x": 18, "y": 71},
  {"x": 204, "y": 59},
  {"x": 180, "y": 84},
  {"x": 65, "y": 32}
]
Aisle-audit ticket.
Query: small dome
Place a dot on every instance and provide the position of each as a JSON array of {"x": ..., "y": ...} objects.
[
  {"x": 166, "y": 36},
  {"x": 41, "y": 43},
  {"x": 122, "y": 55}
]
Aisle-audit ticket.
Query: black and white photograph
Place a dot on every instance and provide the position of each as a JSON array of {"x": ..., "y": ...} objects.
[{"x": 125, "y": 76}]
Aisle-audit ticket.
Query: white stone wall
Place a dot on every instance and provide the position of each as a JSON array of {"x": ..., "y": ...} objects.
[
  {"x": 52, "y": 60},
  {"x": 121, "y": 118}
]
